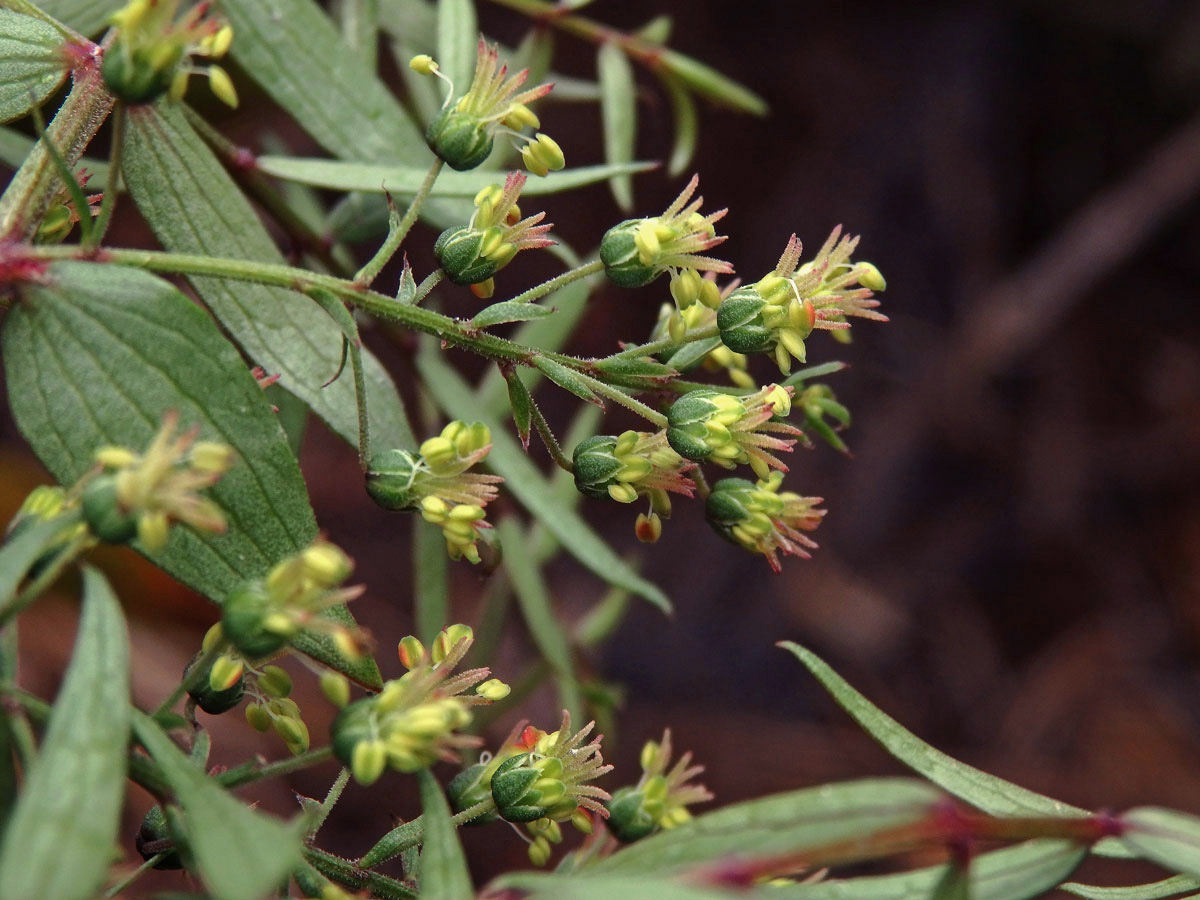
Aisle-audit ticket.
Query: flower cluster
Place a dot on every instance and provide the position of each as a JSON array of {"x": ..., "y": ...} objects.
[
  {"x": 262, "y": 615},
  {"x": 141, "y": 494},
  {"x": 779, "y": 311},
  {"x": 436, "y": 481},
  {"x": 150, "y": 54},
  {"x": 472, "y": 254},
  {"x": 412, "y": 722},
  {"x": 463, "y": 133},
  {"x": 637, "y": 251},
  {"x": 762, "y": 519},
  {"x": 632, "y": 465},
  {"x": 709, "y": 426},
  {"x": 661, "y": 798}
]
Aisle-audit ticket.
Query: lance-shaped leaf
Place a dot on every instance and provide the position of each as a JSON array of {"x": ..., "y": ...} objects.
[
  {"x": 691, "y": 353},
  {"x": 193, "y": 206},
  {"x": 1167, "y": 887},
  {"x": 507, "y": 311},
  {"x": 458, "y": 35},
  {"x": 567, "y": 379},
  {"x": 59, "y": 842},
  {"x": 787, "y": 823},
  {"x": 240, "y": 854},
  {"x": 98, "y": 354},
  {"x": 687, "y": 125},
  {"x": 521, "y": 403},
  {"x": 1014, "y": 873},
  {"x": 619, "y": 115},
  {"x": 444, "y": 873},
  {"x": 1170, "y": 838},
  {"x": 404, "y": 181},
  {"x": 549, "y": 886},
  {"x": 710, "y": 84},
  {"x": 529, "y": 486},
  {"x": 32, "y": 63},
  {"x": 21, "y": 551},
  {"x": 287, "y": 47}
]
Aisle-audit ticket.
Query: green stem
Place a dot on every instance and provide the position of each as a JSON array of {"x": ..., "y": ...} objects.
[
  {"x": 251, "y": 772},
  {"x": 408, "y": 834},
  {"x": 549, "y": 287},
  {"x": 618, "y": 395},
  {"x": 331, "y": 799},
  {"x": 108, "y": 204},
  {"x": 396, "y": 235},
  {"x": 134, "y": 875},
  {"x": 452, "y": 331},
  {"x": 668, "y": 343},
  {"x": 344, "y": 871},
  {"x": 428, "y": 284}
]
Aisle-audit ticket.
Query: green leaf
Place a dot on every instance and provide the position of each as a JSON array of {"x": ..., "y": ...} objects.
[
  {"x": 954, "y": 884},
  {"x": 711, "y": 84},
  {"x": 32, "y": 63},
  {"x": 60, "y": 841},
  {"x": 1168, "y": 887},
  {"x": 692, "y": 353},
  {"x": 405, "y": 180},
  {"x": 567, "y": 379},
  {"x": 549, "y": 886},
  {"x": 619, "y": 115},
  {"x": 687, "y": 125},
  {"x": 193, "y": 206},
  {"x": 783, "y": 823},
  {"x": 993, "y": 795},
  {"x": 1014, "y": 873},
  {"x": 797, "y": 378},
  {"x": 431, "y": 585},
  {"x": 240, "y": 854},
  {"x": 507, "y": 311},
  {"x": 98, "y": 354},
  {"x": 529, "y": 486},
  {"x": 536, "y": 608},
  {"x": 458, "y": 35},
  {"x": 1169, "y": 838},
  {"x": 88, "y": 17},
  {"x": 288, "y": 47},
  {"x": 21, "y": 551},
  {"x": 521, "y": 403},
  {"x": 444, "y": 873}
]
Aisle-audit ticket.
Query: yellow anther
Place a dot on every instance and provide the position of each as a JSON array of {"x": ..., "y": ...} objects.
[{"x": 425, "y": 64}]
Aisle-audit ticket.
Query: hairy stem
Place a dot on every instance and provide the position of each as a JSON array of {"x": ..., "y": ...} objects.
[
  {"x": 549, "y": 287},
  {"x": 396, "y": 235},
  {"x": 667, "y": 343}
]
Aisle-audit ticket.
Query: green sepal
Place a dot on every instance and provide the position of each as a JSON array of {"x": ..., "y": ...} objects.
[
  {"x": 135, "y": 76},
  {"x": 153, "y": 829},
  {"x": 512, "y": 789},
  {"x": 468, "y": 788},
  {"x": 457, "y": 252},
  {"x": 459, "y": 139},
  {"x": 242, "y": 617},
  {"x": 726, "y": 505},
  {"x": 352, "y": 725},
  {"x": 216, "y": 702},
  {"x": 628, "y": 819},
  {"x": 102, "y": 512},
  {"x": 619, "y": 253},
  {"x": 390, "y": 476},
  {"x": 686, "y": 431},
  {"x": 740, "y": 320},
  {"x": 595, "y": 465}
]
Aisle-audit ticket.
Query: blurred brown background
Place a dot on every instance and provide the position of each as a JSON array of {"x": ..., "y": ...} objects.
[{"x": 1011, "y": 561}]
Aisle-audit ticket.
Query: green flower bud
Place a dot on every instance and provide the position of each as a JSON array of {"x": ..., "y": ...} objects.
[
  {"x": 245, "y": 618},
  {"x": 741, "y": 322},
  {"x": 525, "y": 790},
  {"x": 596, "y": 465},
  {"x": 142, "y": 75},
  {"x": 687, "y": 423},
  {"x": 275, "y": 682},
  {"x": 468, "y": 256},
  {"x": 352, "y": 726},
  {"x": 153, "y": 837},
  {"x": 871, "y": 278},
  {"x": 470, "y": 787},
  {"x": 619, "y": 253},
  {"x": 212, "y": 701},
  {"x": 729, "y": 504},
  {"x": 335, "y": 687},
  {"x": 390, "y": 478},
  {"x": 103, "y": 514},
  {"x": 462, "y": 140},
  {"x": 258, "y": 718},
  {"x": 629, "y": 819}
]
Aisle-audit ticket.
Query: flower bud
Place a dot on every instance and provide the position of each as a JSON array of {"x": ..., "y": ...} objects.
[
  {"x": 275, "y": 682},
  {"x": 257, "y": 717},
  {"x": 493, "y": 689},
  {"x": 151, "y": 840},
  {"x": 224, "y": 687},
  {"x": 629, "y": 819},
  {"x": 390, "y": 478},
  {"x": 368, "y": 761},
  {"x": 461, "y": 252},
  {"x": 355, "y": 725},
  {"x": 740, "y": 318},
  {"x": 619, "y": 253},
  {"x": 596, "y": 465},
  {"x": 248, "y": 623},
  {"x": 141, "y": 75},
  {"x": 462, "y": 140},
  {"x": 448, "y": 638},
  {"x": 521, "y": 790},
  {"x": 103, "y": 513},
  {"x": 411, "y": 651},
  {"x": 335, "y": 687}
]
